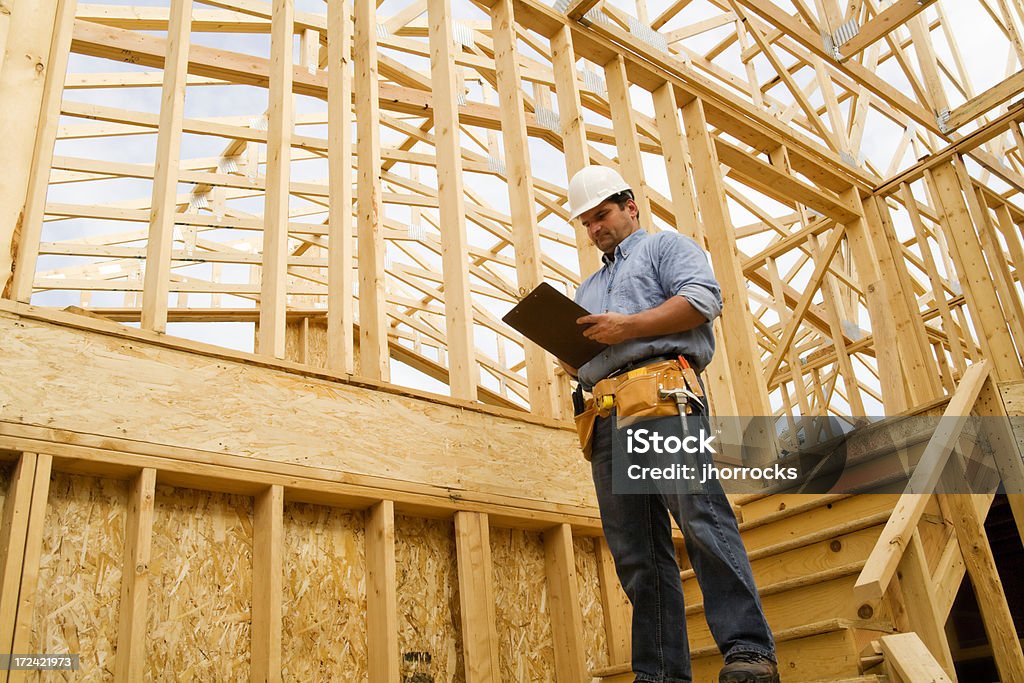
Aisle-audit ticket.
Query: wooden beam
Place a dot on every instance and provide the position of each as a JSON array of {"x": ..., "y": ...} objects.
[
  {"x": 574, "y": 134},
  {"x": 373, "y": 338},
  {"x": 952, "y": 332},
  {"x": 920, "y": 603},
  {"x": 908, "y": 658},
  {"x": 280, "y": 119},
  {"x": 1006, "y": 452},
  {"x": 5, "y": 27},
  {"x": 168, "y": 158},
  {"x": 884, "y": 558},
  {"x": 864, "y": 255},
  {"x": 577, "y": 8},
  {"x": 566, "y": 617},
  {"x": 381, "y": 594},
  {"x": 268, "y": 574},
  {"x": 476, "y": 594},
  {"x": 13, "y": 536},
  {"x": 795, "y": 90},
  {"x": 46, "y": 136},
  {"x": 463, "y": 373},
  {"x": 988, "y": 588},
  {"x": 929, "y": 87},
  {"x": 539, "y": 370},
  {"x": 991, "y": 98},
  {"x": 971, "y": 266},
  {"x": 626, "y": 139},
  {"x": 615, "y": 604},
  {"x": 919, "y": 371},
  {"x": 32, "y": 50},
  {"x": 340, "y": 309},
  {"x": 1002, "y": 278},
  {"x": 33, "y": 549},
  {"x": 130, "y": 658},
  {"x": 750, "y": 390},
  {"x": 886, "y": 21},
  {"x": 676, "y": 155}
]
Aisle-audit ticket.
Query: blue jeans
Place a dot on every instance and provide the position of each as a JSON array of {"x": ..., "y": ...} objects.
[{"x": 638, "y": 530}]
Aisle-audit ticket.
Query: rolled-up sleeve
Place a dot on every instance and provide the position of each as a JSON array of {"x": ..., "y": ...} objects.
[{"x": 684, "y": 270}]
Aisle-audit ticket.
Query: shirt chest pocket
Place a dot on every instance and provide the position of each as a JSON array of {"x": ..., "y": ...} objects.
[{"x": 635, "y": 292}]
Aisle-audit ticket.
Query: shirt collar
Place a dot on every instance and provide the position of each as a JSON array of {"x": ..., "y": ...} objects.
[{"x": 624, "y": 247}]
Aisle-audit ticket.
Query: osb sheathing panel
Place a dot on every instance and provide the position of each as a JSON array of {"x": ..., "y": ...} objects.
[
  {"x": 145, "y": 392},
  {"x": 324, "y": 611},
  {"x": 79, "y": 587},
  {"x": 429, "y": 632},
  {"x": 200, "y": 587},
  {"x": 306, "y": 343},
  {"x": 526, "y": 650},
  {"x": 590, "y": 603}
]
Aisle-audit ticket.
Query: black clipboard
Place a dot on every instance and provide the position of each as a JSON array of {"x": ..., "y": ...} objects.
[{"x": 548, "y": 318}]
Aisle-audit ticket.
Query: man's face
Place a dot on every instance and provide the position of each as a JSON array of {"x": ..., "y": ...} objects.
[{"x": 607, "y": 224}]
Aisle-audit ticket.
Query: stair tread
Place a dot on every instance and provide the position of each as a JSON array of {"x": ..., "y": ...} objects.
[
  {"x": 795, "y": 633},
  {"x": 805, "y": 631}
]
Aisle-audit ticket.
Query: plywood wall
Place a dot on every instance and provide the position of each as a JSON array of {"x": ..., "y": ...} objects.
[
  {"x": 429, "y": 633},
  {"x": 199, "y": 616},
  {"x": 323, "y": 618},
  {"x": 596, "y": 640},
  {"x": 200, "y": 586},
  {"x": 526, "y": 650},
  {"x": 79, "y": 588}
]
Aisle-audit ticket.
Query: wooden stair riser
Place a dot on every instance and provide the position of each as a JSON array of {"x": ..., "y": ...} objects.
[
  {"x": 841, "y": 515},
  {"x": 828, "y": 656},
  {"x": 816, "y": 602},
  {"x": 817, "y": 557}
]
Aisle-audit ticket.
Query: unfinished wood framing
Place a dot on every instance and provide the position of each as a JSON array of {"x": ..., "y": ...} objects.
[
  {"x": 280, "y": 118},
  {"x": 381, "y": 597},
  {"x": 340, "y": 344},
  {"x": 268, "y": 546},
  {"x": 381, "y": 203},
  {"x": 451, "y": 321},
  {"x": 566, "y": 619},
  {"x": 476, "y": 592},
  {"x": 165, "y": 180},
  {"x": 462, "y": 369},
  {"x": 131, "y": 632},
  {"x": 373, "y": 353}
]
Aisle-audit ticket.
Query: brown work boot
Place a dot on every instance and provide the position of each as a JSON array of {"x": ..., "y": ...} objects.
[{"x": 748, "y": 667}]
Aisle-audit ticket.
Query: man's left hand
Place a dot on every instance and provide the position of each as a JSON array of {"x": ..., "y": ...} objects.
[{"x": 607, "y": 328}]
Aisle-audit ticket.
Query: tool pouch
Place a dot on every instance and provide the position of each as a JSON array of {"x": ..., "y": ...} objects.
[
  {"x": 639, "y": 396},
  {"x": 585, "y": 427}
]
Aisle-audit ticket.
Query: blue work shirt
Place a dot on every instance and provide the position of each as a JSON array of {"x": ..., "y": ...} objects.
[{"x": 646, "y": 270}]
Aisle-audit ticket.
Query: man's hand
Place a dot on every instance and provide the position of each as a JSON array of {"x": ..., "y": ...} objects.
[{"x": 607, "y": 328}]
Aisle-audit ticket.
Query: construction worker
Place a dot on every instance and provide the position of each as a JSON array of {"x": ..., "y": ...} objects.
[{"x": 653, "y": 302}]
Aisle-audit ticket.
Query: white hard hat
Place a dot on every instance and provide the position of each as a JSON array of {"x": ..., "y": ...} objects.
[{"x": 591, "y": 186}]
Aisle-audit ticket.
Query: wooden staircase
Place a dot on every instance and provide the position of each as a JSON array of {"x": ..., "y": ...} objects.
[
  {"x": 859, "y": 587},
  {"x": 806, "y": 552}
]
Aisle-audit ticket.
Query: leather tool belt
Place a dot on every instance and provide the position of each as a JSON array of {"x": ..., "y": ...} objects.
[{"x": 635, "y": 394}]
